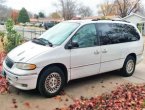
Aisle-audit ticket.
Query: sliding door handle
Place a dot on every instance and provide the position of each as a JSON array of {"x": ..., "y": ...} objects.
[{"x": 96, "y": 52}]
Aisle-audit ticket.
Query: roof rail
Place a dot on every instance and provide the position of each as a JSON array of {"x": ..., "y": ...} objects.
[
  {"x": 121, "y": 20},
  {"x": 110, "y": 19},
  {"x": 96, "y": 19}
]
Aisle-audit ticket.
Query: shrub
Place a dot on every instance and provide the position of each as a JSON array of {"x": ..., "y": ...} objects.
[
  {"x": 139, "y": 26},
  {"x": 13, "y": 39},
  {"x": 2, "y": 35}
]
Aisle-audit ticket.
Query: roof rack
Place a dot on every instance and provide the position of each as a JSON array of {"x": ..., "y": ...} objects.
[
  {"x": 96, "y": 19},
  {"x": 121, "y": 20},
  {"x": 110, "y": 19}
]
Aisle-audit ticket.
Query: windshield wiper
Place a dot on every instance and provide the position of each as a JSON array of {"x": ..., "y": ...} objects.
[
  {"x": 42, "y": 41},
  {"x": 46, "y": 41},
  {"x": 37, "y": 41}
]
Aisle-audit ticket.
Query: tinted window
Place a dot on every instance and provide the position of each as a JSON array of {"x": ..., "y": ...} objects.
[
  {"x": 130, "y": 33},
  {"x": 107, "y": 33},
  {"x": 86, "y": 36},
  {"x": 112, "y": 33}
]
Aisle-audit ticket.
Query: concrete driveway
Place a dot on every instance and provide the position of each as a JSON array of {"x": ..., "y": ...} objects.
[{"x": 87, "y": 87}]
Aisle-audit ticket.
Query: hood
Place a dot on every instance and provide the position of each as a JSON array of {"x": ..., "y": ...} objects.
[{"x": 26, "y": 51}]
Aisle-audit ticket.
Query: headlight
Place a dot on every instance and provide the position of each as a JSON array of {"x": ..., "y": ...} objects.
[{"x": 25, "y": 66}]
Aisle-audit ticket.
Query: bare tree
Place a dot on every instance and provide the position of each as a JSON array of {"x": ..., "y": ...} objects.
[
  {"x": 5, "y": 13},
  {"x": 141, "y": 10},
  {"x": 125, "y": 7},
  {"x": 121, "y": 8},
  {"x": 67, "y": 8},
  {"x": 55, "y": 15},
  {"x": 2, "y": 1},
  {"x": 84, "y": 11},
  {"x": 106, "y": 8}
]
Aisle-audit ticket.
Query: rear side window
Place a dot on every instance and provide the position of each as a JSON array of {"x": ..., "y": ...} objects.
[{"x": 113, "y": 33}]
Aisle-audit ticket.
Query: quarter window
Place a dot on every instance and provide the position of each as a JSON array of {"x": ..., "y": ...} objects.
[{"x": 130, "y": 33}]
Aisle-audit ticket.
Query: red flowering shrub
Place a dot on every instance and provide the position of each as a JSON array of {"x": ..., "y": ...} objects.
[
  {"x": 2, "y": 56},
  {"x": 3, "y": 85},
  {"x": 125, "y": 97},
  {"x": 3, "y": 82}
]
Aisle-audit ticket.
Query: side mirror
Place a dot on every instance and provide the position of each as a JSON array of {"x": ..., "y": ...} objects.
[{"x": 73, "y": 45}]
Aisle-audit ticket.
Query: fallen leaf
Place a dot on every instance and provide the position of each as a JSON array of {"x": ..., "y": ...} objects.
[
  {"x": 14, "y": 101},
  {"x": 123, "y": 98},
  {"x": 27, "y": 104},
  {"x": 37, "y": 106},
  {"x": 62, "y": 92},
  {"x": 66, "y": 100},
  {"x": 93, "y": 87},
  {"x": 4, "y": 86},
  {"x": 58, "y": 98},
  {"x": 15, "y": 106},
  {"x": 103, "y": 86}
]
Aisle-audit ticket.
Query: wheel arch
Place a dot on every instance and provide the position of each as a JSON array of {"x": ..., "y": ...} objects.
[
  {"x": 133, "y": 55},
  {"x": 60, "y": 65},
  {"x": 123, "y": 71}
]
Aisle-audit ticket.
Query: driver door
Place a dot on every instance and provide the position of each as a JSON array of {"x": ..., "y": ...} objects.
[{"x": 85, "y": 59}]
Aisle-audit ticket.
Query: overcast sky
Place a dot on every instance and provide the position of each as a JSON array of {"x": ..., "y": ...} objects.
[{"x": 46, "y": 6}]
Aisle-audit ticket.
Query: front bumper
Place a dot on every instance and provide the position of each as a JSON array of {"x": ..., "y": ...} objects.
[{"x": 24, "y": 82}]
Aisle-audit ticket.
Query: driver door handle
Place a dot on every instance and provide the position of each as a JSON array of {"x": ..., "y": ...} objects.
[
  {"x": 104, "y": 51},
  {"x": 96, "y": 52}
]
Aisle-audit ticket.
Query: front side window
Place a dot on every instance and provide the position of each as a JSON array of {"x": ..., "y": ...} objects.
[
  {"x": 60, "y": 32},
  {"x": 86, "y": 36}
]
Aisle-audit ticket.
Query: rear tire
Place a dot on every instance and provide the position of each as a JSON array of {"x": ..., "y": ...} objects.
[
  {"x": 51, "y": 81},
  {"x": 128, "y": 67}
]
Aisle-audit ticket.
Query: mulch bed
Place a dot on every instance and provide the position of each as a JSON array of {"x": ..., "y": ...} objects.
[{"x": 4, "y": 87}]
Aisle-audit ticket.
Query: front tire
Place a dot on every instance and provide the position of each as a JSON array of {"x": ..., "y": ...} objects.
[
  {"x": 51, "y": 81},
  {"x": 128, "y": 67}
]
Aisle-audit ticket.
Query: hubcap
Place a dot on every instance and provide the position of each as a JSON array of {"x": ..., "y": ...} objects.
[
  {"x": 130, "y": 66},
  {"x": 53, "y": 82}
]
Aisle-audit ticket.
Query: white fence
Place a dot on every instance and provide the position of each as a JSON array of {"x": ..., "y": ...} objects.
[
  {"x": 27, "y": 33},
  {"x": 30, "y": 34}
]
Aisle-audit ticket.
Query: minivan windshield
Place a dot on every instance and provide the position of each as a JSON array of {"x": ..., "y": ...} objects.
[{"x": 60, "y": 32}]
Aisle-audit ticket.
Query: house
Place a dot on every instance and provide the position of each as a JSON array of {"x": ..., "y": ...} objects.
[
  {"x": 136, "y": 19},
  {"x": 33, "y": 20}
]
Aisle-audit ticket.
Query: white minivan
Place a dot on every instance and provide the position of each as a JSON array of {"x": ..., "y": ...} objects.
[{"x": 71, "y": 50}]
